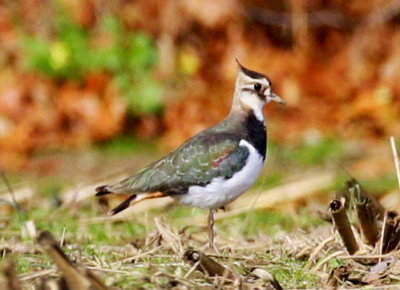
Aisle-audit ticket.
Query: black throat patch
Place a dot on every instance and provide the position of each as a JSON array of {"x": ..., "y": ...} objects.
[{"x": 257, "y": 134}]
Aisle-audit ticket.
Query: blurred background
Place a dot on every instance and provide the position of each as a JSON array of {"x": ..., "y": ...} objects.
[
  {"x": 137, "y": 75},
  {"x": 92, "y": 90}
]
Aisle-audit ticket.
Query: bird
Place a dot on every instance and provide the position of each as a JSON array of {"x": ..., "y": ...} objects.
[{"x": 214, "y": 167}]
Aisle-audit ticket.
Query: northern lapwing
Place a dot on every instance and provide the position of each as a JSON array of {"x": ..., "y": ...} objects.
[{"x": 215, "y": 166}]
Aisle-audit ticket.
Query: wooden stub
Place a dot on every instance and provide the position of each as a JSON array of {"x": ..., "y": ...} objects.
[
  {"x": 207, "y": 265},
  {"x": 343, "y": 226},
  {"x": 9, "y": 279},
  {"x": 391, "y": 234},
  {"x": 368, "y": 221}
]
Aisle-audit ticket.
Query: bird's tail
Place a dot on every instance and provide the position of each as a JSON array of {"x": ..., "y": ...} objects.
[
  {"x": 103, "y": 190},
  {"x": 123, "y": 205},
  {"x": 109, "y": 189}
]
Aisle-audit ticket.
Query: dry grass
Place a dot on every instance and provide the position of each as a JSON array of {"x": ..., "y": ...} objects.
[{"x": 146, "y": 249}]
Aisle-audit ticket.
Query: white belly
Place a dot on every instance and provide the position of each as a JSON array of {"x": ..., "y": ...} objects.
[{"x": 221, "y": 191}]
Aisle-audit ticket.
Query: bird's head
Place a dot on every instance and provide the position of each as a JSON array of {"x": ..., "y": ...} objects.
[{"x": 253, "y": 90}]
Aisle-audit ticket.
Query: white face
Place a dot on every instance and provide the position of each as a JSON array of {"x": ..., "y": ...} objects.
[
  {"x": 254, "y": 93},
  {"x": 261, "y": 88}
]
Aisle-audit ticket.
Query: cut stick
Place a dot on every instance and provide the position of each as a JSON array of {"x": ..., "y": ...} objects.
[
  {"x": 343, "y": 225},
  {"x": 367, "y": 218},
  {"x": 391, "y": 233},
  {"x": 10, "y": 278},
  {"x": 395, "y": 240},
  {"x": 76, "y": 278},
  {"x": 396, "y": 159},
  {"x": 207, "y": 265}
]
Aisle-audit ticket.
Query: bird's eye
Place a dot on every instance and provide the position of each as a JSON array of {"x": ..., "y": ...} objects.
[{"x": 257, "y": 87}]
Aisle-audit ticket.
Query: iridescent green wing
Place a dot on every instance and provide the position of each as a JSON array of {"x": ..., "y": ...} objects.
[{"x": 196, "y": 162}]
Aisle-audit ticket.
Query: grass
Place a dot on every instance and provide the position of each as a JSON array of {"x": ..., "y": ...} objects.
[
  {"x": 278, "y": 242},
  {"x": 318, "y": 153},
  {"x": 381, "y": 183},
  {"x": 124, "y": 145},
  {"x": 89, "y": 242},
  {"x": 295, "y": 276}
]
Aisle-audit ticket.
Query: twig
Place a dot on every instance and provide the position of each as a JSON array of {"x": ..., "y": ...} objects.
[
  {"x": 37, "y": 274},
  {"x": 62, "y": 237},
  {"x": 382, "y": 236},
  {"x": 328, "y": 258},
  {"x": 318, "y": 249},
  {"x": 9, "y": 188},
  {"x": 108, "y": 270},
  {"x": 129, "y": 259},
  {"x": 75, "y": 278},
  {"x": 346, "y": 257},
  {"x": 192, "y": 269},
  {"x": 13, "y": 198},
  {"x": 171, "y": 238},
  {"x": 396, "y": 159}
]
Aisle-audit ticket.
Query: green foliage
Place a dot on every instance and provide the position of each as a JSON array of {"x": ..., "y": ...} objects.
[
  {"x": 179, "y": 212},
  {"x": 334, "y": 263},
  {"x": 319, "y": 152},
  {"x": 124, "y": 145},
  {"x": 270, "y": 222},
  {"x": 268, "y": 180},
  {"x": 380, "y": 183},
  {"x": 72, "y": 54},
  {"x": 294, "y": 276},
  {"x": 375, "y": 185},
  {"x": 68, "y": 56}
]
